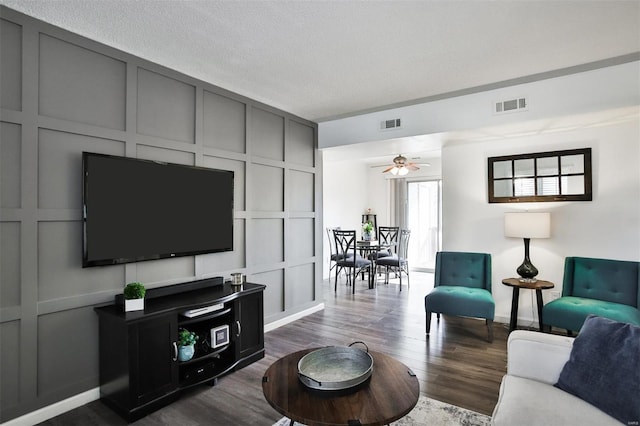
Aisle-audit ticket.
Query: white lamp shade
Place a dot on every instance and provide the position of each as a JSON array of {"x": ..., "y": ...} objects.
[{"x": 527, "y": 225}]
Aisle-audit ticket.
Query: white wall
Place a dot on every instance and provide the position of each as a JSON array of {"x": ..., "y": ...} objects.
[
  {"x": 379, "y": 195},
  {"x": 607, "y": 227},
  {"x": 344, "y": 200}
]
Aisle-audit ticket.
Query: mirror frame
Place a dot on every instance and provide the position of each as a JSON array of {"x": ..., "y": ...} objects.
[{"x": 585, "y": 195}]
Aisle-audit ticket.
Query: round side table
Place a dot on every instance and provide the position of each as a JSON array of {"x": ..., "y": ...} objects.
[{"x": 516, "y": 284}]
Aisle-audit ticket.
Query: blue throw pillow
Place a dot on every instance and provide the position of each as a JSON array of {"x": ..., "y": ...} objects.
[{"x": 604, "y": 368}]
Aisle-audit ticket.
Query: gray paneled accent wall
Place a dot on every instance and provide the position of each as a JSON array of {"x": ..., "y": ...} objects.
[{"x": 62, "y": 94}]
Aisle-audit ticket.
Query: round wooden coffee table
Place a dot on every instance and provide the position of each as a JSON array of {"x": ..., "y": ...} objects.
[{"x": 390, "y": 393}]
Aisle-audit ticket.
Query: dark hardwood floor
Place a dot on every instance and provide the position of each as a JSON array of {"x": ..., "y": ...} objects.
[{"x": 455, "y": 365}]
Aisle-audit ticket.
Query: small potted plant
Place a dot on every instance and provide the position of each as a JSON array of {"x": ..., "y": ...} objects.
[
  {"x": 367, "y": 229},
  {"x": 186, "y": 344},
  {"x": 134, "y": 297}
]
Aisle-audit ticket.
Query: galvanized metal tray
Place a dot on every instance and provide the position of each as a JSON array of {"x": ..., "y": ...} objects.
[{"x": 335, "y": 367}]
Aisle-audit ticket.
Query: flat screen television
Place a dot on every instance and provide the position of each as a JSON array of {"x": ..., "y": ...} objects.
[{"x": 136, "y": 210}]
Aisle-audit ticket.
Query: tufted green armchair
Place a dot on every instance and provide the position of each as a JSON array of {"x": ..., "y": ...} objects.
[
  {"x": 602, "y": 287},
  {"x": 462, "y": 287}
]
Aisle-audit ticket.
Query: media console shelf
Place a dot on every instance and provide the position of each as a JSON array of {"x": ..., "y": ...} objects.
[{"x": 139, "y": 367}]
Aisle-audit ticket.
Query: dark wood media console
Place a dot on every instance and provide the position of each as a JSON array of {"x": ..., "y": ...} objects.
[{"x": 139, "y": 367}]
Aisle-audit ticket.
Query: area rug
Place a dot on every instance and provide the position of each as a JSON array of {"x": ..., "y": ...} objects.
[{"x": 431, "y": 412}]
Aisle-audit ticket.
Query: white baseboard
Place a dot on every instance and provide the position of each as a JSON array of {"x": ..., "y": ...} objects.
[
  {"x": 504, "y": 320},
  {"x": 56, "y": 409},
  {"x": 522, "y": 322},
  {"x": 292, "y": 318}
]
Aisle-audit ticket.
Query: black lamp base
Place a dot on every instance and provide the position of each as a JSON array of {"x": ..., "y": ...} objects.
[{"x": 527, "y": 271}]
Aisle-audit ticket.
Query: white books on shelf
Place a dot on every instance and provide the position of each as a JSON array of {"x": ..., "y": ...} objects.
[{"x": 201, "y": 311}]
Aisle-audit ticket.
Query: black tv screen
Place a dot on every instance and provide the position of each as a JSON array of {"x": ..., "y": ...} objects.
[{"x": 135, "y": 210}]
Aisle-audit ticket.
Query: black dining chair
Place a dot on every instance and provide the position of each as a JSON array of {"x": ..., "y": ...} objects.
[
  {"x": 388, "y": 235},
  {"x": 348, "y": 258},
  {"x": 397, "y": 262},
  {"x": 333, "y": 257}
]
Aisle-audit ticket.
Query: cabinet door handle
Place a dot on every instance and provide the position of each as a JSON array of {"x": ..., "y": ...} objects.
[
  {"x": 239, "y": 329},
  {"x": 175, "y": 351}
]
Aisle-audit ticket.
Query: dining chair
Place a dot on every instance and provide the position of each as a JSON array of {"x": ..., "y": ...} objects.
[
  {"x": 388, "y": 235},
  {"x": 348, "y": 258},
  {"x": 333, "y": 257},
  {"x": 397, "y": 262},
  {"x": 462, "y": 287}
]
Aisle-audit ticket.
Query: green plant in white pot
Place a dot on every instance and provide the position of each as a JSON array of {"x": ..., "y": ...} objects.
[
  {"x": 134, "y": 297},
  {"x": 186, "y": 344},
  {"x": 367, "y": 230}
]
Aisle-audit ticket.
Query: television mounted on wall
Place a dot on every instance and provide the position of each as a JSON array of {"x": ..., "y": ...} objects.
[{"x": 136, "y": 210}]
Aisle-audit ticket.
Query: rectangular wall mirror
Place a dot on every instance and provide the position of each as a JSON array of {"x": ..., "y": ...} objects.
[{"x": 543, "y": 176}]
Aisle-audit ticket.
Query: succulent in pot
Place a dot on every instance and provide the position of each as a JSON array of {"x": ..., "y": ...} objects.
[
  {"x": 186, "y": 344},
  {"x": 134, "y": 296}
]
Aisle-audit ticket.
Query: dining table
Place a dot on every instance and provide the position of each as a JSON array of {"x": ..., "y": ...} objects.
[{"x": 369, "y": 249}]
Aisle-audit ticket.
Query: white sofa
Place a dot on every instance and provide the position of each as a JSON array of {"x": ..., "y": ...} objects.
[{"x": 527, "y": 395}]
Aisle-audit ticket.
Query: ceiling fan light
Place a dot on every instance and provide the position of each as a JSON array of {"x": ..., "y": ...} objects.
[
  {"x": 394, "y": 171},
  {"x": 403, "y": 171}
]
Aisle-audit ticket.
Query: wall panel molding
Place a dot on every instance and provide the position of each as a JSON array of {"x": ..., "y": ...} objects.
[
  {"x": 67, "y": 94},
  {"x": 11, "y": 71},
  {"x": 72, "y": 77}
]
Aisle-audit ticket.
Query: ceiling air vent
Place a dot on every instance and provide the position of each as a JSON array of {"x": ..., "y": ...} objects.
[
  {"x": 395, "y": 123},
  {"x": 510, "y": 105}
]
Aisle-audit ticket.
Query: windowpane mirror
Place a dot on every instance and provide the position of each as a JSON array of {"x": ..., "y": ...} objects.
[
  {"x": 524, "y": 187},
  {"x": 523, "y": 168},
  {"x": 547, "y": 166},
  {"x": 544, "y": 176},
  {"x": 549, "y": 185},
  {"x": 572, "y": 185},
  {"x": 572, "y": 164},
  {"x": 503, "y": 188},
  {"x": 502, "y": 169}
]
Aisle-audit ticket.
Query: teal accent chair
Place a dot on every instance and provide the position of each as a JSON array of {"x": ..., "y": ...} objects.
[
  {"x": 602, "y": 287},
  {"x": 462, "y": 287}
]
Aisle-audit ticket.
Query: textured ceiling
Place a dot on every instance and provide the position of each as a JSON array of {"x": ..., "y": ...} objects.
[{"x": 323, "y": 59}]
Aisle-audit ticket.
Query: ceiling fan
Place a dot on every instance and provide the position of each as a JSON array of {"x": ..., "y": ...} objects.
[{"x": 401, "y": 166}]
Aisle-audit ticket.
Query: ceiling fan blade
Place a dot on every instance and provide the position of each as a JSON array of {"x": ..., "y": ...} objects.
[
  {"x": 387, "y": 169},
  {"x": 412, "y": 167}
]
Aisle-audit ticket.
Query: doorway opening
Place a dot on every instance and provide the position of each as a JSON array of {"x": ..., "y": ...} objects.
[{"x": 424, "y": 218}]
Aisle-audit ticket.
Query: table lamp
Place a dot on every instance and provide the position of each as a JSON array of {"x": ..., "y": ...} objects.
[{"x": 527, "y": 225}]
